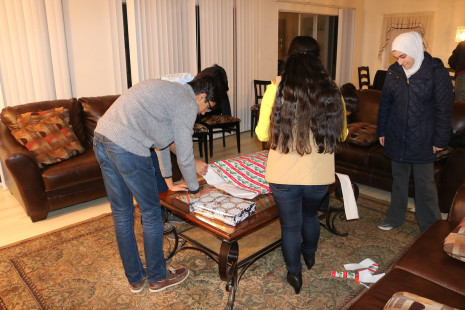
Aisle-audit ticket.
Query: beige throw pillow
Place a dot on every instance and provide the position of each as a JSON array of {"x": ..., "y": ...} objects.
[
  {"x": 409, "y": 301},
  {"x": 454, "y": 244}
]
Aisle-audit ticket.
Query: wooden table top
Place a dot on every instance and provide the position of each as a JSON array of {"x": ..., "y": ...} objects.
[{"x": 266, "y": 212}]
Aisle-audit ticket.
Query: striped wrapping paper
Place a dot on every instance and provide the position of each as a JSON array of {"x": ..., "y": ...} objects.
[
  {"x": 345, "y": 275},
  {"x": 354, "y": 275},
  {"x": 247, "y": 171}
]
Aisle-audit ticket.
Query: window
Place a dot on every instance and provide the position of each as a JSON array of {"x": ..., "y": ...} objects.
[{"x": 321, "y": 27}]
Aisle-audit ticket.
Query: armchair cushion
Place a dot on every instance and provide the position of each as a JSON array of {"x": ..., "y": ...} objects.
[
  {"x": 363, "y": 134},
  {"x": 454, "y": 244},
  {"x": 48, "y": 136}
]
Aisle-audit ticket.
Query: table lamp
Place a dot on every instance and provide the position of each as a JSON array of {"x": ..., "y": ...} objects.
[{"x": 460, "y": 35}]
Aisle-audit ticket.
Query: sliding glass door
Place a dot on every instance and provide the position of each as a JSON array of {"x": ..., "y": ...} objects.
[{"x": 321, "y": 27}]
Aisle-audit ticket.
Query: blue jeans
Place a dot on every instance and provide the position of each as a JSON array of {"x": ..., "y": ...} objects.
[
  {"x": 300, "y": 227},
  {"x": 126, "y": 175}
]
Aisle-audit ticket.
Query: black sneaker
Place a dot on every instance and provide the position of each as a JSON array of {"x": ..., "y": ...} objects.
[{"x": 385, "y": 226}]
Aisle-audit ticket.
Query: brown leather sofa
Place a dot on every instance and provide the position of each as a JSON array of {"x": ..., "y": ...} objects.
[
  {"x": 367, "y": 164},
  {"x": 424, "y": 269},
  {"x": 75, "y": 180}
]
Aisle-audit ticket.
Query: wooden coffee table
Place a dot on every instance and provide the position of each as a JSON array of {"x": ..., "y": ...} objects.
[{"x": 256, "y": 236}]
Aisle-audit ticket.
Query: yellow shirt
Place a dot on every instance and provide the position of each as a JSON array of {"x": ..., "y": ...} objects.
[{"x": 310, "y": 169}]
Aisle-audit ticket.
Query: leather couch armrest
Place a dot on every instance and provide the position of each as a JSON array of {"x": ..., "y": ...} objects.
[
  {"x": 93, "y": 108},
  {"x": 23, "y": 176},
  {"x": 457, "y": 209}
]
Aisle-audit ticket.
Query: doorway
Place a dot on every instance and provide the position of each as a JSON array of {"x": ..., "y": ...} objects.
[{"x": 323, "y": 28}]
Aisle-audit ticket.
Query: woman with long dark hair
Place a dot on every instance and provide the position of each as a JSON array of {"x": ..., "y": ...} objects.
[{"x": 304, "y": 129}]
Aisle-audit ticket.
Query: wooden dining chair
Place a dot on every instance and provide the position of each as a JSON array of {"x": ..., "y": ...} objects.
[
  {"x": 364, "y": 77},
  {"x": 220, "y": 121},
  {"x": 201, "y": 136},
  {"x": 259, "y": 89}
]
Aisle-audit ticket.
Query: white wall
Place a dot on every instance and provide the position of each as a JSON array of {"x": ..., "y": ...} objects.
[
  {"x": 448, "y": 15},
  {"x": 88, "y": 34}
]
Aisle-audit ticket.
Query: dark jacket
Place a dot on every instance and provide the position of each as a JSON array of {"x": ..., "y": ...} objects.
[
  {"x": 457, "y": 59},
  {"x": 415, "y": 114}
]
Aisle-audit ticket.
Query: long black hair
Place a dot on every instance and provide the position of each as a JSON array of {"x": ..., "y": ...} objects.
[{"x": 307, "y": 101}]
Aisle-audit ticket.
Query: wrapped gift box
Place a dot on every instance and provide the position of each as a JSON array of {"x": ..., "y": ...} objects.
[{"x": 225, "y": 208}]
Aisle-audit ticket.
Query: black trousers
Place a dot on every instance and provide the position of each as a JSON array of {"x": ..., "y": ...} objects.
[{"x": 426, "y": 195}]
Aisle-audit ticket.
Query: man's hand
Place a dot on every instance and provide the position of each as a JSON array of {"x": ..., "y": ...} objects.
[
  {"x": 179, "y": 188},
  {"x": 381, "y": 141},
  {"x": 203, "y": 192},
  {"x": 201, "y": 167},
  {"x": 437, "y": 149},
  {"x": 175, "y": 187}
]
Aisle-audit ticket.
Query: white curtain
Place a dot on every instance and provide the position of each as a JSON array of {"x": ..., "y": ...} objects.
[
  {"x": 117, "y": 41},
  {"x": 33, "y": 58},
  {"x": 217, "y": 38},
  {"x": 228, "y": 38},
  {"x": 395, "y": 24},
  {"x": 162, "y": 37},
  {"x": 247, "y": 58},
  {"x": 345, "y": 46}
]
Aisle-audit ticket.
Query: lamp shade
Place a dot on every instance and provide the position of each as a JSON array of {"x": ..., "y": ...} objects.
[{"x": 460, "y": 35}]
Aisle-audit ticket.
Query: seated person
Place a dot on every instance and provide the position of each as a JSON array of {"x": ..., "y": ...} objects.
[{"x": 349, "y": 93}]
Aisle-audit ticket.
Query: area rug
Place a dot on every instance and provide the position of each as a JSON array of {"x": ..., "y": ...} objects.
[{"x": 78, "y": 267}]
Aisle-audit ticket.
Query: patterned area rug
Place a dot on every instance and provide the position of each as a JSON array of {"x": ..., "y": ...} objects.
[{"x": 78, "y": 267}]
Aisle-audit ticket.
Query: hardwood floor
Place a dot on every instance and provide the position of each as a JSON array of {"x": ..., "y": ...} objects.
[{"x": 15, "y": 225}]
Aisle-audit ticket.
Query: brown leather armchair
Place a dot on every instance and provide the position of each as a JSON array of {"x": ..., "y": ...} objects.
[{"x": 75, "y": 180}]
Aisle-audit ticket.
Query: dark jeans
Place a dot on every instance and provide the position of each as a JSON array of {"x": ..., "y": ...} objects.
[
  {"x": 126, "y": 175},
  {"x": 300, "y": 227}
]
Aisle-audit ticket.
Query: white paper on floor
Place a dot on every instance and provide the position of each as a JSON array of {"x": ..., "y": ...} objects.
[
  {"x": 350, "y": 205},
  {"x": 366, "y": 270}
]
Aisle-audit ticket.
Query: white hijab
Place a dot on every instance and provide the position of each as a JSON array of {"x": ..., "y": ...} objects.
[{"x": 411, "y": 44}]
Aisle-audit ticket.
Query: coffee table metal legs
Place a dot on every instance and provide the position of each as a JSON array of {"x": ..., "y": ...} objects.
[
  {"x": 227, "y": 267},
  {"x": 328, "y": 216}
]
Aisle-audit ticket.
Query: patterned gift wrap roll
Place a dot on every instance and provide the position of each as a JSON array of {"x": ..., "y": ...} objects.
[
  {"x": 225, "y": 208},
  {"x": 372, "y": 269},
  {"x": 345, "y": 275},
  {"x": 246, "y": 171}
]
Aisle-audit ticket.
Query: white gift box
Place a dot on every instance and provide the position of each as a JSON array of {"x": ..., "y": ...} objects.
[{"x": 225, "y": 208}]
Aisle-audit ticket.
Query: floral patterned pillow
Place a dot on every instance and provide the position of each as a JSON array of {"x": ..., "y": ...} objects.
[{"x": 48, "y": 136}]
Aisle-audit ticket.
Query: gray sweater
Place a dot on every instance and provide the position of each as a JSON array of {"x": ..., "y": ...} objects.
[{"x": 155, "y": 113}]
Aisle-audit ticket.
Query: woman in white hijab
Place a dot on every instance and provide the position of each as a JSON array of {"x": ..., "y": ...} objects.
[{"x": 414, "y": 119}]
